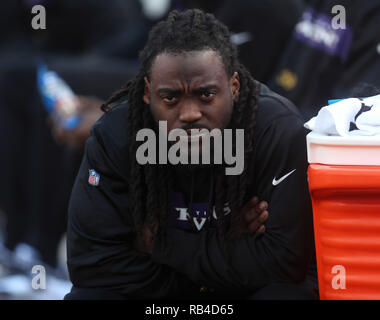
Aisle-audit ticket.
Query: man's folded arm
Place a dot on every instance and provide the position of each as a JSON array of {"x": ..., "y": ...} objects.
[{"x": 282, "y": 253}]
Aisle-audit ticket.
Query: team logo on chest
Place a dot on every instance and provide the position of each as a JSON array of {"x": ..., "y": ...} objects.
[
  {"x": 93, "y": 178},
  {"x": 200, "y": 217}
]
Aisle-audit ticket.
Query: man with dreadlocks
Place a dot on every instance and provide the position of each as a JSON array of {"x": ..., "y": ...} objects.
[{"x": 163, "y": 230}]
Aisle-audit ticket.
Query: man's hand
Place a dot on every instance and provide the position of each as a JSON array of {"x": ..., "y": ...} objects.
[
  {"x": 144, "y": 243},
  {"x": 254, "y": 215},
  {"x": 89, "y": 111}
]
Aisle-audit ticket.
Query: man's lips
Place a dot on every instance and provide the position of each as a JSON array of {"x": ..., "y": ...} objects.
[{"x": 195, "y": 136}]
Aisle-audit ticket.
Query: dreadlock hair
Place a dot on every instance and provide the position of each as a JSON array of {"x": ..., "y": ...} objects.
[{"x": 150, "y": 185}]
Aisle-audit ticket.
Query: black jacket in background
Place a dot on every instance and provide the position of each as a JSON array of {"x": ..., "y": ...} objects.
[{"x": 321, "y": 63}]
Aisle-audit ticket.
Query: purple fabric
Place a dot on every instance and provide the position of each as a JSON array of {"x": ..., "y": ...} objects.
[
  {"x": 31, "y": 3},
  {"x": 316, "y": 30}
]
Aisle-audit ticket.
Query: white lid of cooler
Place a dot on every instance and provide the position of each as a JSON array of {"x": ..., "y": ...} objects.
[{"x": 338, "y": 150}]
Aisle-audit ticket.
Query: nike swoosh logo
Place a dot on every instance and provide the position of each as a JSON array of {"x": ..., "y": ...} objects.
[{"x": 276, "y": 182}]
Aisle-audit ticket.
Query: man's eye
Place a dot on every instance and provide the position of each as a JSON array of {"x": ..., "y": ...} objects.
[
  {"x": 170, "y": 99},
  {"x": 207, "y": 95}
]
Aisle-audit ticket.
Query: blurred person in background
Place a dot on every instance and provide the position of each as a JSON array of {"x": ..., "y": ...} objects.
[
  {"x": 38, "y": 171},
  {"x": 322, "y": 62},
  {"x": 261, "y": 29}
]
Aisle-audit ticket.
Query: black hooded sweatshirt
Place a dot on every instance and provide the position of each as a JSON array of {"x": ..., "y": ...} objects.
[{"x": 191, "y": 254}]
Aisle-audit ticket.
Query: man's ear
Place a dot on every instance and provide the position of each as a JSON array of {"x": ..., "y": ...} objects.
[
  {"x": 146, "y": 96},
  {"x": 235, "y": 86}
]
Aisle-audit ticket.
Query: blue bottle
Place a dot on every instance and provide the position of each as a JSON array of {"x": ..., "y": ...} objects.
[{"x": 58, "y": 98}]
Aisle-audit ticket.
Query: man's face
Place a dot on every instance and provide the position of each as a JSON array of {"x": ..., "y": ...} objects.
[{"x": 191, "y": 90}]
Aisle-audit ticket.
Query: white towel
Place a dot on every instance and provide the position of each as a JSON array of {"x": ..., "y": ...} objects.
[{"x": 337, "y": 118}]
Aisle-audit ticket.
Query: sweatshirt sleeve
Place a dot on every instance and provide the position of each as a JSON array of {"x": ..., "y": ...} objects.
[
  {"x": 100, "y": 234},
  {"x": 283, "y": 252}
]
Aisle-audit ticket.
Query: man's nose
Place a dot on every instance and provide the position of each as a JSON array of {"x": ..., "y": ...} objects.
[{"x": 190, "y": 112}]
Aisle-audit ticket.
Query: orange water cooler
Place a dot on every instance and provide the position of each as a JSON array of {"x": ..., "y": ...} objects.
[{"x": 344, "y": 183}]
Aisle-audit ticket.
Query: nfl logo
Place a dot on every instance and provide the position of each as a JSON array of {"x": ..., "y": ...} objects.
[{"x": 93, "y": 178}]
